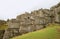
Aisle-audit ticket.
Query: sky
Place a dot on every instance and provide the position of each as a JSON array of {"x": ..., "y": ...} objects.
[{"x": 11, "y": 8}]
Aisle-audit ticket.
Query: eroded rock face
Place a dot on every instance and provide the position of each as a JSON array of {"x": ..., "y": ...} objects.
[
  {"x": 33, "y": 21},
  {"x": 56, "y": 12},
  {"x": 13, "y": 29},
  {"x": 9, "y": 33},
  {"x": 57, "y": 15},
  {"x": 27, "y": 23}
]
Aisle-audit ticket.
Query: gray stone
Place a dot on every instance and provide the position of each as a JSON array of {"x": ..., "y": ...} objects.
[{"x": 29, "y": 22}]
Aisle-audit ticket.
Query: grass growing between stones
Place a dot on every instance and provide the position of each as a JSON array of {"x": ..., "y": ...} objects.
[{"x": 47, "y": 33}]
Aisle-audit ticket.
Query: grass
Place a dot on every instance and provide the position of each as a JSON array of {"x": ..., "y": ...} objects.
[
  {"x": 47, "y": 33},
  {"x": 3, "y": 27}
]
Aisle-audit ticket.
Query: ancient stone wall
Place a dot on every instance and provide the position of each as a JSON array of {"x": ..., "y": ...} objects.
[
  {"x": 13, "y": 29},
  {"x": 33, "y": 21},
  {"x": 56, "y": 12}
]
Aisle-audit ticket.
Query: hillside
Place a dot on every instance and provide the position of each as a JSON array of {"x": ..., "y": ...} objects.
[{"x": 47, "y": 33}]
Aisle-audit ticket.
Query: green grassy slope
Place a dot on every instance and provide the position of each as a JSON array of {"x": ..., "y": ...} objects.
[{"x": 47, "y": 33}]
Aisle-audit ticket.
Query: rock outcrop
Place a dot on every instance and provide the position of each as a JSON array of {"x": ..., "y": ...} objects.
[
  {"x": 13, "y": 29},
  {"x": 33, "y": 21},
  {"x": 56, "y": 13}
]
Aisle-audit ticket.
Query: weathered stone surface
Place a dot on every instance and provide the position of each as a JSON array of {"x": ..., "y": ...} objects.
[
  {"x": 27, "y": 23},
  {"x": 13, "y": 23},
  {"x": 33, "y": 21},
  {"x": 56, "y": 13},
  {"x": 9, "y": 33},
  {"x": 13, "y": 29}
]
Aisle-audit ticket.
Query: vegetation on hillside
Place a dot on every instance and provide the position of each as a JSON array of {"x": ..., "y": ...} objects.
[{"x": 3, "y": 25}]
